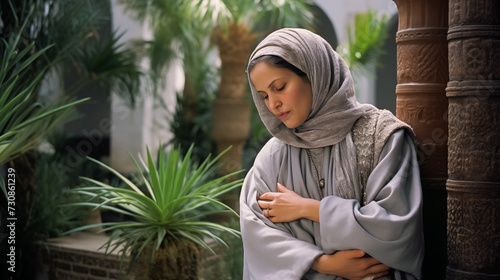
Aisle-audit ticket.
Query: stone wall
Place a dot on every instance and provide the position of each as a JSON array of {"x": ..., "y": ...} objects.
[
  {"x": 78, "y": 257},
  {"x": 68, "y": 263}
]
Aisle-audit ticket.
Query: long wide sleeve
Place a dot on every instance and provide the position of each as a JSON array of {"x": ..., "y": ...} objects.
[
  {"x": 389, "y": 226},
  {"x": 272, "y": 251}
]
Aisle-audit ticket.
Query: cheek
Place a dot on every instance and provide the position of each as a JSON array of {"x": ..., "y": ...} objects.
[
  {"x": 307, "y": 93},
  {"x": 302, "y": 97},
  {"x": 266, "y": 101}
]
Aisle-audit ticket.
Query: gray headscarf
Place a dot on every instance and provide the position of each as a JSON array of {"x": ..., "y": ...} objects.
[{"x": 334, "y": 106}]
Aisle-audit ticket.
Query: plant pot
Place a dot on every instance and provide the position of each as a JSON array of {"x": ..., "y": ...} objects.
[
  {"x": 94, "y": 218},
  {"x": 178, "y": 262}
]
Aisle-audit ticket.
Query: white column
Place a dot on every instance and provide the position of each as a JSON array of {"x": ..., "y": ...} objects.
[{"x": 148, "y": 123}]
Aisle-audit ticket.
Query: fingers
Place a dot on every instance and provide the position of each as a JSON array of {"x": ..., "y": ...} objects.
[
  {"x": 376, "y": 268},
  {"x": 271, "y": 195},
  {"x": 374, "y": 264},
  {"x": 282, "y": 188},
  {"x": 379, "y": 268},
  {"x": 354, "y": 253},
  {"x": 264, "y": 204},
  {"x": 265, "y": 212},
  {"x": 267, "y": 196},
  {"x": 378, "y": 271}
]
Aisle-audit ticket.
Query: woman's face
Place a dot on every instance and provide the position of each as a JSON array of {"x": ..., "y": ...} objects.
[{"x": 287, "y": 95}]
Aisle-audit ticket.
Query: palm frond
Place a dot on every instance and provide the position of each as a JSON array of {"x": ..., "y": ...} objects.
[
  {"x": 365, "y": 41},
  {"x": 276, "y": 14},
  {"x": 112, "y": 63}
]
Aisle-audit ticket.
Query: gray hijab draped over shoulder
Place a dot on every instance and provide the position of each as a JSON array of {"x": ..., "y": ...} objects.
[
  {"x": 388, "y": 227},
  {"x": 332, "y": 88}
]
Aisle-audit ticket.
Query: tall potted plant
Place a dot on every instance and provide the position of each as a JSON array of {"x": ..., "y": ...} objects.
[
  {"x": 168, "y": 208},
  {"x": 236, "y": 28},
  {"x": 179, "y": 33},
  {"x": 181, "y": 30}
]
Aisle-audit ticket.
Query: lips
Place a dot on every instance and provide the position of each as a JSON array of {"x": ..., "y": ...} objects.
[{"x": 283, "y": 115}]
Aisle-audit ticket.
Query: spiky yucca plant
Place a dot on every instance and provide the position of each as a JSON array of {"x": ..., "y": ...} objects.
[
  {"x": 23, "y": 121},
  {"x": 179, "y": 196}
]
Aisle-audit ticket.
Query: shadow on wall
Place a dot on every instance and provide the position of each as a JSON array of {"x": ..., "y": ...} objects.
[{"x": 386, "y": 74}]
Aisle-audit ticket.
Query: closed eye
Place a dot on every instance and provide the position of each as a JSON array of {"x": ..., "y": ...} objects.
[
  {"x": 281, "y": 88},
  {"x": 263, "y": 94}
]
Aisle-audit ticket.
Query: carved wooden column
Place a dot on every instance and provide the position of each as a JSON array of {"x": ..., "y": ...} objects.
[
  {"x": 474, "y": 140},
  {"x": 422, "y": 75}
]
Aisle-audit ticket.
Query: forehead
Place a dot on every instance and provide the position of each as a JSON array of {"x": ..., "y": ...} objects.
[{"x": 264, "y": 72}]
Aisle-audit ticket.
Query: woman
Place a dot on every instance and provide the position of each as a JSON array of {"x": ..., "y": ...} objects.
[{"x": 336, "y": 192}]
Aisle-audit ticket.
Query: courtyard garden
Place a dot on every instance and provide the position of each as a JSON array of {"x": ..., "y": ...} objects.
[{"x": 174, "y": 213}]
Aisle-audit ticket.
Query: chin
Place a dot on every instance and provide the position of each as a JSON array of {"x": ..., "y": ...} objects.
[{"x": 291, "y": 126}]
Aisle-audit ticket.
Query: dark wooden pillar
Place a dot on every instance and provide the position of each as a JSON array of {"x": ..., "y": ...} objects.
[
  {"x": 474, "y": 140},
  {"x": 422, "y": 75}
]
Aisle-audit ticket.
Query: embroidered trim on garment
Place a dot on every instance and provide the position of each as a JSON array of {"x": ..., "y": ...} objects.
[{"x": 369, "y": 134}]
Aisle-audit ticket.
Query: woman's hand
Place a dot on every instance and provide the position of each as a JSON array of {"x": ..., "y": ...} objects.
[
  {"x": 287, "y": 206},
  {"x": 350, "y": 264}
]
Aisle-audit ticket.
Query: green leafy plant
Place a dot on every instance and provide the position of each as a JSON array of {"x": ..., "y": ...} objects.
[
  {"x": 54, "y": 178},
  {"x": 23, "y": 121},
  {"x": 188, "y": 30},
  {"x": 179, "y": 197},
  {"x": 191, "y": 123},
  {"x": 109, "y": 62},
  {"x": 229, "y": 264},
  {"x": 39, "y": 37},
  {"x": 52, "y": 219},
  {"x": 366, "y": 38}
]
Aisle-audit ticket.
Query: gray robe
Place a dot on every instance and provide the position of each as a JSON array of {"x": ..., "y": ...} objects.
[{"x": 389, "y": 227}]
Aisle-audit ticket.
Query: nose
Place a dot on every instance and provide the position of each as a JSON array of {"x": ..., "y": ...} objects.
[{"x": 273, "y": 102}]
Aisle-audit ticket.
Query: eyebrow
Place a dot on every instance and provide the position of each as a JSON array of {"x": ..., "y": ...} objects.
[{"x": 269, "y": 86}]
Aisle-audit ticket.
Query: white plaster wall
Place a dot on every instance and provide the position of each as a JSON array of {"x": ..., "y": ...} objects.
[
  {"x": 341, "y": 13},
  {"x": 147, "y": 124}
]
